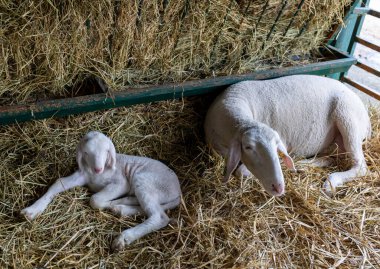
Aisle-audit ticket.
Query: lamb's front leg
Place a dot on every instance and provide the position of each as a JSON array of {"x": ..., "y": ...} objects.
[
  {"x": 62, "y": 184},
  {"x": 103, "y": 199},
  {"x": 126, "y": 206}
]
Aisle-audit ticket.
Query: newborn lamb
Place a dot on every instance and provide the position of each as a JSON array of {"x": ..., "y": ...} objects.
[{"x": 146, "y": 186}]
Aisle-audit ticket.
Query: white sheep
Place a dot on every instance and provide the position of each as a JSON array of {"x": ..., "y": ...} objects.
[
  {"x": 303, "y": 114},
  {"x": 149, "y": 186}
]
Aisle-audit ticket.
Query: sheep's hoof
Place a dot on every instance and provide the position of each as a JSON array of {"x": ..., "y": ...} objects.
[
  {"x": 242, "y": 172},
  {"x": 298, "y": 171}
]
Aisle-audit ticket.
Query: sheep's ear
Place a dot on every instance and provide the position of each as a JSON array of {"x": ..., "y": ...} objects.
[
  {"x": 288, "y": 161},
  {"x": 111, "y": 158},
  {"x": 233, "y": 158}
]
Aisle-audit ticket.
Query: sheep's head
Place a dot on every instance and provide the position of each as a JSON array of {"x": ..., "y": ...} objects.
[
  {"x": 258, "y": 148},
  {"x": 96, "y": 153}
]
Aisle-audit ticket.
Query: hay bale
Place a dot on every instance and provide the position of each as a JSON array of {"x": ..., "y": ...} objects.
[
  {"x": 49, "y": 46},
  {"x": 217, "y": 226}
]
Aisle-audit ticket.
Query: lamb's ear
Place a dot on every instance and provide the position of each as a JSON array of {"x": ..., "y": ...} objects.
[
  {"x": 111, "y": 158},
  {"x": 288, "y": 161},
  {"x": 233, "y": 158},
  {"x": 80, "y": 160}
]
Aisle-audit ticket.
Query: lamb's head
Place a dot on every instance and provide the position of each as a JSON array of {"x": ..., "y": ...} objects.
[
  {"x": 258, "y": 147},
  {"x": 96, "y": 153}
]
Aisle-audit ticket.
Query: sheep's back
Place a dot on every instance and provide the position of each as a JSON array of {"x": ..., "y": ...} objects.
[{"x": 300, "y": 108}]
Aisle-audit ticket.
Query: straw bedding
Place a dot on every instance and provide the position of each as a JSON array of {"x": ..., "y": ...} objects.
[
  {"x": 216, "y": 226},
  {"x": 49, "y": 47}
]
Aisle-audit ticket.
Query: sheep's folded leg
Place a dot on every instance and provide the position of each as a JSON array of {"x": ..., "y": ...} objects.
[
  {"x": 316, "y": 162},
  {"x": 242, "y": 172},
  {"x": 352, "y": 144},
  {"x": 339, "y": 178},
  {"x": 60, "y": 185}
]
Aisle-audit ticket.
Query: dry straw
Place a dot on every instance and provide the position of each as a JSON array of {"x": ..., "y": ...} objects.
[
  {"x": 217, "y": 226},
  {"x": 49, "y": 46}
]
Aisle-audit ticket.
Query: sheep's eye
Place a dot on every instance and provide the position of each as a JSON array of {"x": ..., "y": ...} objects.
[
  {"x": 248, "y": 148},
  {"x": 85, "y": 153}
]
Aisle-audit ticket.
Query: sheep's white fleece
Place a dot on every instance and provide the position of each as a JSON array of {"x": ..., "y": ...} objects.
[{"x": 308, "y": 112}]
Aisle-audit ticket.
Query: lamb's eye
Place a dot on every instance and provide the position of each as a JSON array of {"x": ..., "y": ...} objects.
[
  {"x": 248, "y": 148},
  {"x": 85, "y": 153}
]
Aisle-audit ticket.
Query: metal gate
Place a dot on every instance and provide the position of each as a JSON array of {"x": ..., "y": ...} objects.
[{"x": 346, "y": 39}]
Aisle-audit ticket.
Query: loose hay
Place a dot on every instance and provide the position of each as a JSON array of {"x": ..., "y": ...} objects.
[
  {"x": 49, "y": 46},
  {"x": 217, "y": 226}
]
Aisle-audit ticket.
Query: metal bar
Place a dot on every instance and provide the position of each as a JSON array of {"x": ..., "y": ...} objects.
[
  {"x": 139, "y": 6},
  {"x": 294, "y": 15},
  {"x": 361, "y": 10},
  {"x": 184, "y": 12},
  {"x": 115, "y": 17},
  {"x": 162, "y": 14},
  {"x": 368, "y": 69},
  {"x": 332, "y": 39},
  {"x": 356, "y": 30},
  {"x": 367, "y": 43},
  {"x": 262, "y": 13},
  {"x": 375, "y": 94},
  {"x": 221, "y": 29},
  {"x": 305, "y": 26},
  {"x": 82, "y": 104},
  {"x": 247, "y": 7},
  {"x": 245, "y": 13},
  {"x": 366, "y": 10},
  {"x": 284, "y": 3},
  {"x": 374, "y": 13},
  {"x": 139, "y": 12}
]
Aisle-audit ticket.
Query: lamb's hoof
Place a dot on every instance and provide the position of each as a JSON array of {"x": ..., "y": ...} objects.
[
  {"x": 118, "y": 244},
  {"x": 328, "y": 188},
  {"x": 29, "y": 213},
  {"x": 116, "y": 209},
  {"x": 121, "y": 242}
]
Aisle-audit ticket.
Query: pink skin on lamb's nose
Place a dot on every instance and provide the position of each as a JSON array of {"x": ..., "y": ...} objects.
[
  {"x": 278, "y": 189},
  {"x": 98, "y": 170}
]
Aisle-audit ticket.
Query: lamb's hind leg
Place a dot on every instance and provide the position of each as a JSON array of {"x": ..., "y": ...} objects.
[
  {"x": 127, "y": 200},
  {"x": 129, "y": 206},
  {"x": 352, "y": 143},
  {"x": 156, "y": 220}
]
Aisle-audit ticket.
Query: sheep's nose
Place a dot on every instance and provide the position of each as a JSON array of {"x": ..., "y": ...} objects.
[
  {"x": 98, "y": 170},
  {"x": 278, "y": 189}
]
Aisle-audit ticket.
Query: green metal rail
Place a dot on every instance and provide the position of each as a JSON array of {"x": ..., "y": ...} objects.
[
  {"x": 131, "y": 96},
  {"x": 351, "y": 37}
]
